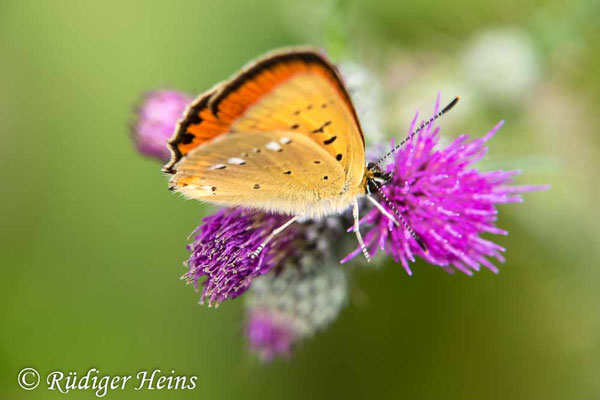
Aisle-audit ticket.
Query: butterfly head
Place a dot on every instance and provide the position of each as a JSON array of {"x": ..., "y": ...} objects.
[{"x": 376, "y": 177}]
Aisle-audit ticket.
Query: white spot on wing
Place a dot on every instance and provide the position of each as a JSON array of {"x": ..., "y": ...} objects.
[
  {"x": 285, "y": 140},
  {"x": 217, "y": 166},
  {"x": 236, "y": 161},
  {"x": 273, "y": 146},
  {"x": 206, "y": 187}
]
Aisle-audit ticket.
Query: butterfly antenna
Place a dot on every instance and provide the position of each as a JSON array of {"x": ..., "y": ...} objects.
[
  {"x": 420, "y": 128},
  {"x": 406, "y": 226}
]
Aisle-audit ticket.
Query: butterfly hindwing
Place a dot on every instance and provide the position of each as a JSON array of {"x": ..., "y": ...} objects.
[{"x": 274, "y": 171}]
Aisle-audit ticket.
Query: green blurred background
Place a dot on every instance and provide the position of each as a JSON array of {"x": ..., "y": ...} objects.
[{"x": 92, "y": 242}]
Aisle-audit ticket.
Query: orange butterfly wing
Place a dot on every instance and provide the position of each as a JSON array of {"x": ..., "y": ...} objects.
[{"x": 295, "y": 90}]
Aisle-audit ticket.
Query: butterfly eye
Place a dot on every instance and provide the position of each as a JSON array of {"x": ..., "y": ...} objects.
[{"x": 376, "y": 177}]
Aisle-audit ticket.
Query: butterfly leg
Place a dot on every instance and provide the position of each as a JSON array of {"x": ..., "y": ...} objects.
[
  {"x": 274, "y": 233},
  {"x": 406, "y": 225},
  {"x": 361, "y": 242},
  {"x": 383, "y": 210}
]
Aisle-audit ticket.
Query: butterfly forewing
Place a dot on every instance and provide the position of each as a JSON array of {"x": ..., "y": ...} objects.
[{"x": 294, "y": 94}]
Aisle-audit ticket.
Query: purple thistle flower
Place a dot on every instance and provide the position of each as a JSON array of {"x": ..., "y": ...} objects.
[
  {"x": 157, "y": 117},
  {"x": 221, "y": 251},
  {"x": 293, "y": 303},
  {"x": 269, "y": 335},
  {"x": 447, "y": 203}
]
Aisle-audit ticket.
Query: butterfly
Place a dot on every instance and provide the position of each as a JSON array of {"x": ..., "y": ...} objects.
[{"x": 281, "y": 135}]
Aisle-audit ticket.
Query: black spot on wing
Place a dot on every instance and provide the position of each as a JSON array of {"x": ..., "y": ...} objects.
[
  {"x": 295, "y": 126},
  {"x": 187, "y": 138},
  {"x": 338, "y": 157},
  {"x": 287, "y": 173},
  {"x": 330, "y": 140},
  {"x": 256, "y": 186},
  {"x": 320, "y": 129}
]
